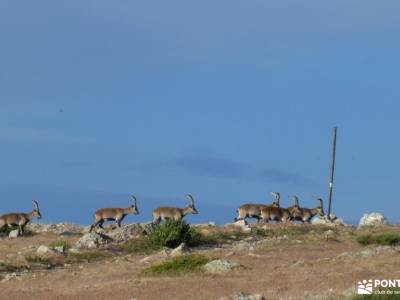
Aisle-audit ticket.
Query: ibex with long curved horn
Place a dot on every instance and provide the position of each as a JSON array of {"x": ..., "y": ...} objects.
[
  {"x": 306, "y": 214},
  {"x": 20, "y": 219},
  {"x": 116, "y": 214},
  {"x": 295, "y": 212},
  {"x": 174, "y": 213},
  {"x": 251, "y": 210},
  {"x": 279, "y": 214}
]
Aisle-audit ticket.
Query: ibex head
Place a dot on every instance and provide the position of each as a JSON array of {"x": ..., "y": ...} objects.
[
  {"x": 277, "y": 197},
  {"x": 320, "y": 207},
  {"x": 36, "y": 211},
  {"x": 133, "y": 208},
  {"x": 192, "y": 208}
]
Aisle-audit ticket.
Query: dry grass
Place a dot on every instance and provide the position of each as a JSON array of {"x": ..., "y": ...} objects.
[{"x": 302, "y": 266}]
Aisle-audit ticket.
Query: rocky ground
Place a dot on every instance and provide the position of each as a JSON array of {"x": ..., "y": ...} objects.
[{"x": 62, "y": 261}]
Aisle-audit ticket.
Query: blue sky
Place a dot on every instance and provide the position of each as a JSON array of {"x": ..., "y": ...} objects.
[{"x": 227, "y": 100}]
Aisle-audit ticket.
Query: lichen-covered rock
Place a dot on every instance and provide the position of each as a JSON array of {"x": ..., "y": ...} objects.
[
  {"x": 57, "y": 228},
  {"x": 180, "y": 250},
  {"x": 220, "y": 266},
  {"x": 373, "y": 219},
  {"x": 332, "y": 221},
  {"x": 242, "y": 225},
  {"x": 92, "y": 240},
  {"x": 244, "y": 296},
  {"x": 44, "y": 250},
  {"x": 147, "y": 227},
  {"x": 126, "y": 232}
]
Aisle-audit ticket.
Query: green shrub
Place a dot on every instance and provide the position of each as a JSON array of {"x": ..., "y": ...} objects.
[
  {"x": 60, "y": 243},
  {"x": 172, "y": 233},
  {"x": 178, "y": 265},
  {"x": 386, "y": 238},
  {"x": 8, "y": 268},
  {"x": 7, "y": 229},
  {"x": 37, "y": 259},
  {"x": 365, "y": 239}
]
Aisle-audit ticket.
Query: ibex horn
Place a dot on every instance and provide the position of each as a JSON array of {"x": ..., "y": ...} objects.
[
  {"x": 134, "y": 198},
  {"x": 36, "y": 204},
  {"x": 277, "y": 196},
  {"x": 190, "y": 199},
  {"x": 319, "y": 199},
  {"x": 295, "y": 198}
]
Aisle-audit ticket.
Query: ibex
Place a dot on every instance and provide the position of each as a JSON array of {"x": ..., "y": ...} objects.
[
  {"x": 251, "y": 210},
  {"x": 273, "y": 213},
  {"x": 20, "y": 219},
  {"x": 306, "y": 214},
  {"x": 295, "y": 212},
  {"x": 113, "y": 214},
  {"x": 174, "y": 213},
  {"x": 277, "y": 213}
]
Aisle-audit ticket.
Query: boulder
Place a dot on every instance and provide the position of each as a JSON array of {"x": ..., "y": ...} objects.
[
  {"x": 373, "y": 219},
  {"x": 180, "y": 250},
  {"x": 92, "y": 240},
  {"x": 57, "y": 228},
  {"x": 333, "y": 221},
  {"x": 244, "y": 296},
  {"x": 148, "y": 227},
  {"x": 13, "y": 234},
  {"x": 242, "y": 225},
  {"x": 126, "y": 232},
  {"x": 220, "y": 266},
  {"x": 44, "y": 250}
]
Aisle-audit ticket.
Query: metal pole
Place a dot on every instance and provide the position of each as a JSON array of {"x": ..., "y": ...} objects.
[{"x": 332, "y": 172}]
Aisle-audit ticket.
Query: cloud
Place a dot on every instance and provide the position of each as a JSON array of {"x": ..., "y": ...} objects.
[{"x": 217, "y": 167}]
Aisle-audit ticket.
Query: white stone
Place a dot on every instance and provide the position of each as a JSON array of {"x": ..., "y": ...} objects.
[
  {"x": 13, "y": 234},
  {"x": 242, "y": 225},
  {"x": 334, "y": 221},
  {"x": 180, "y": 250},
  {"x": 42, "y": 250},
  {"x": 59, "y": 249},
  {"x": 373, "y": 219}
]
